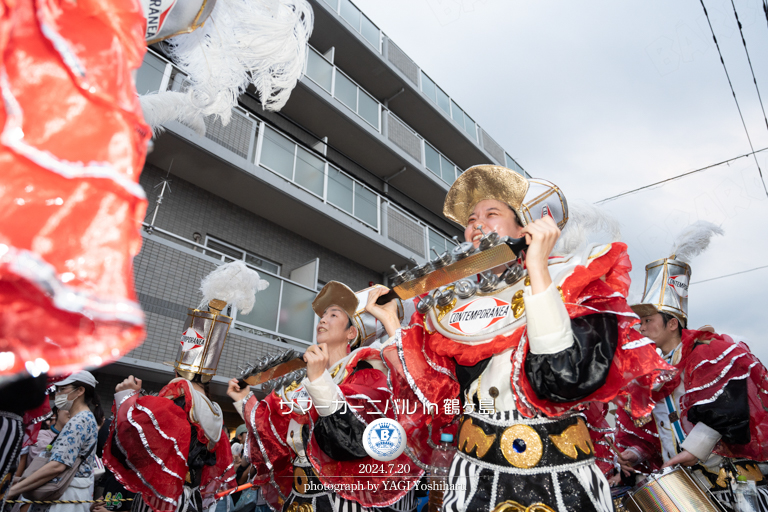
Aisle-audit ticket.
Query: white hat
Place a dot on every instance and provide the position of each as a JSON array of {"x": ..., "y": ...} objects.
[
  {"x": 81, "y": 376},
  {"x": 667, "y": 279}
]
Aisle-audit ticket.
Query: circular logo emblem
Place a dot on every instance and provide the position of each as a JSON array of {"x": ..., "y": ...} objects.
[{"x": 384, "y": 439}]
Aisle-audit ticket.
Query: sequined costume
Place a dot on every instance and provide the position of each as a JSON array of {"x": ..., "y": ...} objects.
[
  {"x": 301, "y": 456},
  {"x": 537, "y": 446},
  {"x": 719, "y": 398},
  {"x": 72, "y": 146},
  {"x": 713, "y": 408},
  {"x": 170, "y": 448},
  {"x": 519, "y": 371}
]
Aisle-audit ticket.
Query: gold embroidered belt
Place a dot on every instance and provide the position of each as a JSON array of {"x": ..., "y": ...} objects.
[{"x": 540, "y": 443}]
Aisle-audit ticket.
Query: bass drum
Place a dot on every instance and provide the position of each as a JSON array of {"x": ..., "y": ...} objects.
[{"x": 672, "y": 490}]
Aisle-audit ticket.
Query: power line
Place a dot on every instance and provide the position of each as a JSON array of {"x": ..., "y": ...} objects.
[
  {"x": 765, "y": 9},
  {"x": 730, "y": 84},
  {"x": 673, "y": 178},
  {"x": 754, "y": 79},
  {"x": 729, "y": 275}
]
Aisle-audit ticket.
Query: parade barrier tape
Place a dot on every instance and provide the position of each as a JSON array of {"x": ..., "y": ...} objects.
[{"x": 66, "y": 502}]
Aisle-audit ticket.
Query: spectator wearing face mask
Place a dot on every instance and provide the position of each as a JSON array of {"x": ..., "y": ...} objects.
[
  {"x": 44, "y": 438},
  {"x": 77, "y": 438}
]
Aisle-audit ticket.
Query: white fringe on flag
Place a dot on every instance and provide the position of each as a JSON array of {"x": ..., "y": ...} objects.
[{"x": 243, "y": 42}]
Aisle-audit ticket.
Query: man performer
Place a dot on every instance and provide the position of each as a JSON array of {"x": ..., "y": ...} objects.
[
  {"x": 712, "y": 414},
  {"x": 527, "y": 347}
]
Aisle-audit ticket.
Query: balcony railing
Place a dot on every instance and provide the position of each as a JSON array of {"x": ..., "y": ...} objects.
[
  {"x": 341, "y": 87},
  {"x": 253, "y": 140},
  {"x": 282, "y": 311},
  {"x": 289, "y": 159},
  {"x": 448, "y": 106},
  {"x": 359, "y": 22}
]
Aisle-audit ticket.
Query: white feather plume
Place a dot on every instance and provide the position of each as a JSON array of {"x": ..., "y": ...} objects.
[
  {"x": 694, "y": 240},
  {"x": 259, "y": 42},
  {"x": 234, "y": 283},
  {"x": 159, "y": 108},
  {"x": 586, "y": 224}
]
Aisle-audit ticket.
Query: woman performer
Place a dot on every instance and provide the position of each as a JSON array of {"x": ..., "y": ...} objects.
[
  {"x": 526, "y": 348},
  {"x": 304, "y": 439}
]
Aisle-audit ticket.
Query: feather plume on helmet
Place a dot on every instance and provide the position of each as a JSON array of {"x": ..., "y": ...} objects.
[
  {"x": 667, "y": 279},
  {"x": 234, "y": 283},
  {"x": 202, "y": 342}
]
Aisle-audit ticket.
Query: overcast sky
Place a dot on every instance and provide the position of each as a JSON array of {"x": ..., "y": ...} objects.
[{"x": 602, "y": 97}]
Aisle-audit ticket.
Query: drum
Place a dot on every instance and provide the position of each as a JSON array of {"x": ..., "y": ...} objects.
[
  {"x": 672, "y": 490},
  {"x": 618, "y": 495}
]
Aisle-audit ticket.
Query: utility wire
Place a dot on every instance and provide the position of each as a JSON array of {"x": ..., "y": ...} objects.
[
  {"x": 729, "y": 275},
  {"x": 722, "y": 61},
  {"x": 673, "y": 178},
  {"x": 744, "y": 42},
  {"x": 765, "y": 9}
]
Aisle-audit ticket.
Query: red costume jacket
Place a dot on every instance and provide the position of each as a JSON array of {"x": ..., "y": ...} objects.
[
  {"x": 366, "y": 393},
  {"x": 726, "y": 387},
  {"x": 616, "y": 365},
  {"x": 155, "y": 448}
]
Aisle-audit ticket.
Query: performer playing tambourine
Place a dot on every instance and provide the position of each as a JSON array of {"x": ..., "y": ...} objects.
[
  {"x": 714, "y": 408},
  {"x": 525, "y": 351},
  {"x": 304, "y": 439}
]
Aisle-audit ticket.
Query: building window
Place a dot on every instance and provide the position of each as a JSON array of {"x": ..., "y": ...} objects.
[
  {"x": 439, "y": 243},
  {"x": 228, "y": 252}
]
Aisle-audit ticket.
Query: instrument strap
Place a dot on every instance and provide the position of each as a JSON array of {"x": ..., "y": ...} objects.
[{"x": 674, "y": 420}]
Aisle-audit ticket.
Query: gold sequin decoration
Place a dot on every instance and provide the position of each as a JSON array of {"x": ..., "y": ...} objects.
[
  {"x": 534, "y": 448},
  {"x": 472, "y": 437},
  {"x": 750, "y": 471},
  {"x": 722, "y": 479},
  {"x": 304, "y": 507},
  {"x": 575, "y": 436},
  {"x": 483, "y": 182},
  {"x": 641, "y": 422},
  {"x": 513, "y": 506},
  {"x": 300, "y": 480},
  {"x": 518, "y": 304},
  {"x": 335, "y": 370},
  {"x": 444, "y": 310},
  {"x": 562, "y": 295},
  {"x": 527, "y": 281},
  {"x": 293, "y": 386}
]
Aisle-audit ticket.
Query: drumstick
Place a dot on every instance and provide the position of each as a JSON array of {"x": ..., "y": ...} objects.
[
  {"x": 613, "y": 446},
  {"x": 236, "y": 489},
  {"x": 617, "y": 452}
]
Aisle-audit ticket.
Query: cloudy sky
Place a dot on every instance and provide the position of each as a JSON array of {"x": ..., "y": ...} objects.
[{"x": 602, "y": 97}]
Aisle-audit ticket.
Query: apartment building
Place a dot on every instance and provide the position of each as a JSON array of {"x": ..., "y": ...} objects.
[{"x": 347, "y": 180}]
